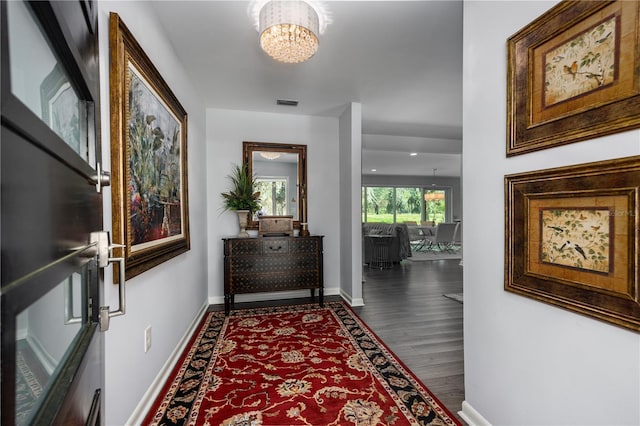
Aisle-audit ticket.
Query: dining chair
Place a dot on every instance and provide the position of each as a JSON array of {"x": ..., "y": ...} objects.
[
  {"x": 445, "y": 237},
  {"x": 416, "y": 237}
]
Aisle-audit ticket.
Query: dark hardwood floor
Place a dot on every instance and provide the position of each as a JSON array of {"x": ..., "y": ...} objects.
[{"x": 406, "y": 308}]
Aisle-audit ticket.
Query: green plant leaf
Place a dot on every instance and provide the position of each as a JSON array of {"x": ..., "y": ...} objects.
[{"x": 241, "y": 196}]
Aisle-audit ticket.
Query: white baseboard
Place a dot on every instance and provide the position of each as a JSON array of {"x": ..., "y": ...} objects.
[
  {"x": 471, "y": 416},
  {"x": 46, "y": 360},
  {"x": 158, "y": 383},
  {"x": 351, "y": 301},
  {"x": 274, "y": 295}
]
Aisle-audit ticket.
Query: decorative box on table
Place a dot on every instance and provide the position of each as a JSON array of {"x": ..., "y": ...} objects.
[{"x": 275, "y": 225}]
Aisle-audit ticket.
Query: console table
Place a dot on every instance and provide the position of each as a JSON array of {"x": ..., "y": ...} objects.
[{"x": 262, "y": 264}]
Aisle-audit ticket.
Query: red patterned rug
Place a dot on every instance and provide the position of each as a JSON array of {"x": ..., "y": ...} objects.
[{"x": 293, "y": 365}]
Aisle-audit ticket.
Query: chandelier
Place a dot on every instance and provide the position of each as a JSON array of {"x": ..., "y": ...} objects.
[
  {"x": 288, "y": 30},
  {"x": 269, "y": 155},
  {"x": 434, "y": 196}
]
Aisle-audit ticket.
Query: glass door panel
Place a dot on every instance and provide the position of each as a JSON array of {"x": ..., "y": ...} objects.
[
  {"x": 39, "y": 81},
  {"x": 45, "y": 335}
]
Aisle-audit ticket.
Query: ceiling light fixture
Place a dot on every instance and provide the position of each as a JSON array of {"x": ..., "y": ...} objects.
[
  {"x": 413, "y": 154},
  {"x": 434, "y": 196},
  {"x": 270, "y": 155},
  {"x": 289, "y": 30}
]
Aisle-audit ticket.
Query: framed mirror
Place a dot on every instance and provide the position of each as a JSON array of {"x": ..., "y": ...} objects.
[{"x": 280, "y": 171}]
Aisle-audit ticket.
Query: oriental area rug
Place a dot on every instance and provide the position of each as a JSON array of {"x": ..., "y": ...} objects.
[{"x": 292, "y": 365}]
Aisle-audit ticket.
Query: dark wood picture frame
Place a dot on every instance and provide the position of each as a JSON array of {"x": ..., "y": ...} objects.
[
  {"x": 572, "y": 238},
  {"x": 573, "y": 74},
  {"x": 148, "y": 158}
]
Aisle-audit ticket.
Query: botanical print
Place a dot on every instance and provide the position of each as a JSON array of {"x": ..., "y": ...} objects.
[
  {"x": 154, "y": 165},
  {"x": 583, "y": 64},
  {"x": 578, "y": 238}
]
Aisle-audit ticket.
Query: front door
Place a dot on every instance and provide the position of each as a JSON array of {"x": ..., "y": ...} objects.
[{"x": 52, "y": 349}]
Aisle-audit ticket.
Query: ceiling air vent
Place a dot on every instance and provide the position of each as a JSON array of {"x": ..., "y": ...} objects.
[{"x": 286, "y": 102}]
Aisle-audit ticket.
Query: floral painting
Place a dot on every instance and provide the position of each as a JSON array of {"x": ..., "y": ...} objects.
[
  {"x": 583, "y": 64},
  {"x": 577, "y": 238},
  {"x": 150, "y": 196},
  {"x": 154, "y": 165}
]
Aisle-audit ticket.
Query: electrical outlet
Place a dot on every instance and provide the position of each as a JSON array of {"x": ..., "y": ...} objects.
[{"x": 147, "y": 338}]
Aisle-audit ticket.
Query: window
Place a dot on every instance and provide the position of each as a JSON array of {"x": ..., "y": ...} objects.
[
  {"x": 434, "y": 205},
  {"x": 404, "y": 204},
  {"x": 408, "y": 205},
  {"x": 378, "y": 205},
  {"x": 273, "y": 195}
]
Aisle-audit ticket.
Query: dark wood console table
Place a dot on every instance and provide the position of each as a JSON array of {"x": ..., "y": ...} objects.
[{"x": 254, "y": 265}]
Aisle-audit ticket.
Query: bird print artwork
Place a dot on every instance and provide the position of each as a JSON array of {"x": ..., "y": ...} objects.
[
  {"x": 572, "y": 69},
  {"x": 576, "y": 238},
  {"x": 580, "y": 251},
  {"x": 582, "y": 64}
]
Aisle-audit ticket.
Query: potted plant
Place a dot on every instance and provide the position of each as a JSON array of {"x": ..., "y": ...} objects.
[{"x": 241, "y": 198}]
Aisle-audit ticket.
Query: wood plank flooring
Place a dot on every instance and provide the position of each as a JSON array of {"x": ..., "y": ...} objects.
[{"x": 405, "y": 307}]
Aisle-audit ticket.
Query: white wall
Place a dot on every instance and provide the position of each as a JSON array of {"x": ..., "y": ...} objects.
[
  {"x": 226, "y": 130},
  {"x": 351, "y": 204},
  {"x": 170, "y": 296},
  {"x": 527, "y": 362}
]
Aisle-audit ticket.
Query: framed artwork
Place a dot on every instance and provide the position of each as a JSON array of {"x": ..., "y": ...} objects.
[
  {"x": 573, "y": 74},
  {"x": 148, "y": 158},
  {"x": 571, "y": 238}
]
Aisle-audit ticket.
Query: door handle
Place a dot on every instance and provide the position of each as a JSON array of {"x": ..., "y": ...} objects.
[
  {"x": 101, "y": 178},
  {"x": 104, "y": 249}
]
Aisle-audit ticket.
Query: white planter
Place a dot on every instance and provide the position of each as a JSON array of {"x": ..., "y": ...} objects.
[{"x": 243, "y": 217}]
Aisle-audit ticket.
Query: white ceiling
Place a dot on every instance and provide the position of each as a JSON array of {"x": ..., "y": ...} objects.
[{"x": 402, "y": 60}]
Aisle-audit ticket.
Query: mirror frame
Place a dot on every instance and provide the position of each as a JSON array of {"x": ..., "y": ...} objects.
[{"x": 248, "y": 148}]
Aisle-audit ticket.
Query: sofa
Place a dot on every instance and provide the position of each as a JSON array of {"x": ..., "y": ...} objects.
[{"x": 398, "y": 248}]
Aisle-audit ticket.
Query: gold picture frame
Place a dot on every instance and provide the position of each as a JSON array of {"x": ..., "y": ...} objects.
[
  {"x": 571, "y": 238},
  {"x": 148, "y": 158},
  {"x": 573, "y": 74}
]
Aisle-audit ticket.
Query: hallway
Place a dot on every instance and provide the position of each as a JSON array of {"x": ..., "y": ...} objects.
[{"x": 404, "y": 306}]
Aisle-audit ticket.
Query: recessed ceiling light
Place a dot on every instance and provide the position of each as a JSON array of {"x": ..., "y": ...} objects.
[
  {"x": 413, "y": 154},
  {"x": 374, "y": 170}
]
